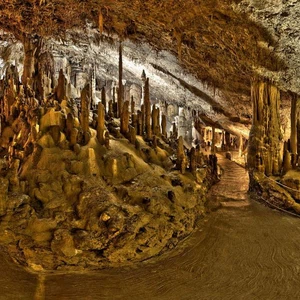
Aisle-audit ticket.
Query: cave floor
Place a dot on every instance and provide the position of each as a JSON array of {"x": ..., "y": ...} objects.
[{"x": 242, "y": 250}]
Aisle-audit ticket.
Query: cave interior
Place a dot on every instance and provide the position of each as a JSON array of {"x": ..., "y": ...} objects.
[{"x": 113, "y": 114}]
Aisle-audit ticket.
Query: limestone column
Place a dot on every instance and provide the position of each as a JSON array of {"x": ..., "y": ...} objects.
[
  {"x": 213, "y": 140},
  {"x": 265, "y": 134},
  {"x": 241, "y": 144},
  {"x": 164, "y": 125},
  {"x": 227, "y": 141},
  {"x": 193, "y": 160},
  {"x": 103, "y": 98},
  {"x": 181, "y": 158},
  {"x": 293, "y": 138},
  {"x": 147, "y": 110},
  {"x": 155, "y": 120},
  {"x": 85, "y": 112},
  {"x": 125, "y": 118},
  {"x": 101, "y": 123},
  {"x": 120, "y": 91}
]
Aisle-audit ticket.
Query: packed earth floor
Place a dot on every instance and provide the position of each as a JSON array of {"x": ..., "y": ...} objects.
[{"x": 243, "y": 250}]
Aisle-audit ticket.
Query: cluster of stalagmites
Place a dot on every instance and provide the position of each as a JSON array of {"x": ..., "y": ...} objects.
[
  {"x": 81, "y": 188},
  {"x": 273, "y": 163}
]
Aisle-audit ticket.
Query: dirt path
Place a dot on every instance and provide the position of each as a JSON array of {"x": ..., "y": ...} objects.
[{"x": 242, "y": 251}]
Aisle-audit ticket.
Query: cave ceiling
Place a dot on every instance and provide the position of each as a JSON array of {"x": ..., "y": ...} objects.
[{"x": 201, "y": 54}]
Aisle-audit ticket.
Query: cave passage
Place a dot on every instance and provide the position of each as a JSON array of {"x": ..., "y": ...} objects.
[{"x": 218, "y": 261}]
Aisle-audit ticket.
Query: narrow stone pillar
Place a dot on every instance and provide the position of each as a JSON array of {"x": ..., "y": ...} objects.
[
  {"x": 73, "y": 137},
  {"x": 115, "y": 104},
  {"x": 110, "y": 109},
  {"x": 147, "y": 111},
  {"x": 164, "y": 125},
  {"x": 181, "y": 158},
  {"x": 241, "y": 143},
  {"x": 155, "y": 120},
  {"x": 120, "y": 90},
  {"x": 69, "y": 125},
  {"x": 132, "y": 135},
  {"x": 213, "y": 141},
  {"x": 132, "y": 106},
  {"x": 287, "y": 165},
  {"x": 103, "y": 98},
  {"x": 139, "y": 123},
  {"x": 61, "y": 86},
  {"x": 143, "y": 119},
  {"x": 85, "y": 112},
  {"x": 101, "y": 124},
  {"x": 227, "y": 141},
  {"x": 293, "y": 138},
  {"x": 193, "y": 160},
  {"x": 125, "y": 118}
]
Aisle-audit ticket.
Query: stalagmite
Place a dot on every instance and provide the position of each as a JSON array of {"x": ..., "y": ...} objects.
[
  {"x": 193, "y": 160},
  {"x": 106, "y": 140},
  {"x": 154, "y": 141},
  {"x": 213, "y": 140},
  {"x": 73, "y": 137},
  {"x": 142, "y": 119},
  {"x": 103, "y": 98},
  {"x": 132, "y": 107},
  {"x": 181, "y": 161},
  {"x": 110, "y": 109},
  {"x": 155, "y": 120},
  {"x": 69, "y": 125},
  {"x": 120, "y": 90},
  {"x": 101, "y": 123},
  {"x": 287, "y": 165},
  {"x": 164, "y": 125},
  {"x": 115, "y": 104},
  {"x": 227, "y": 141},
  {"x": 147, "y": 111},
  {"x": 139, "y": 123},
  {"x": 61, "y": 86},
  {"x": 132, "y": 135},
  {"x": 125, "y": 118},
  {"x": 85, "y": 111},
  {"x": 293, "y": 139}
]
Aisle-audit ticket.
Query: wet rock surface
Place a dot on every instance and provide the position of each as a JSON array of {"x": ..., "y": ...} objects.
[
  {"x": 239, "y": 252},
  {"x": 88, "y": 211}
]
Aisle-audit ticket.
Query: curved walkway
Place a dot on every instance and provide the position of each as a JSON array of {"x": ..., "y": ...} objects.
[{"x": 241, "y": 251}]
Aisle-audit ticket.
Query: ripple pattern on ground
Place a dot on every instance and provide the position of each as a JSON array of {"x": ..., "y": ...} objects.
[{"x": 245, "y": 251}]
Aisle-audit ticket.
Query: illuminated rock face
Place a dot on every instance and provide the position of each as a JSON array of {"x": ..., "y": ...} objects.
[{"x": 82, "y": 190}]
